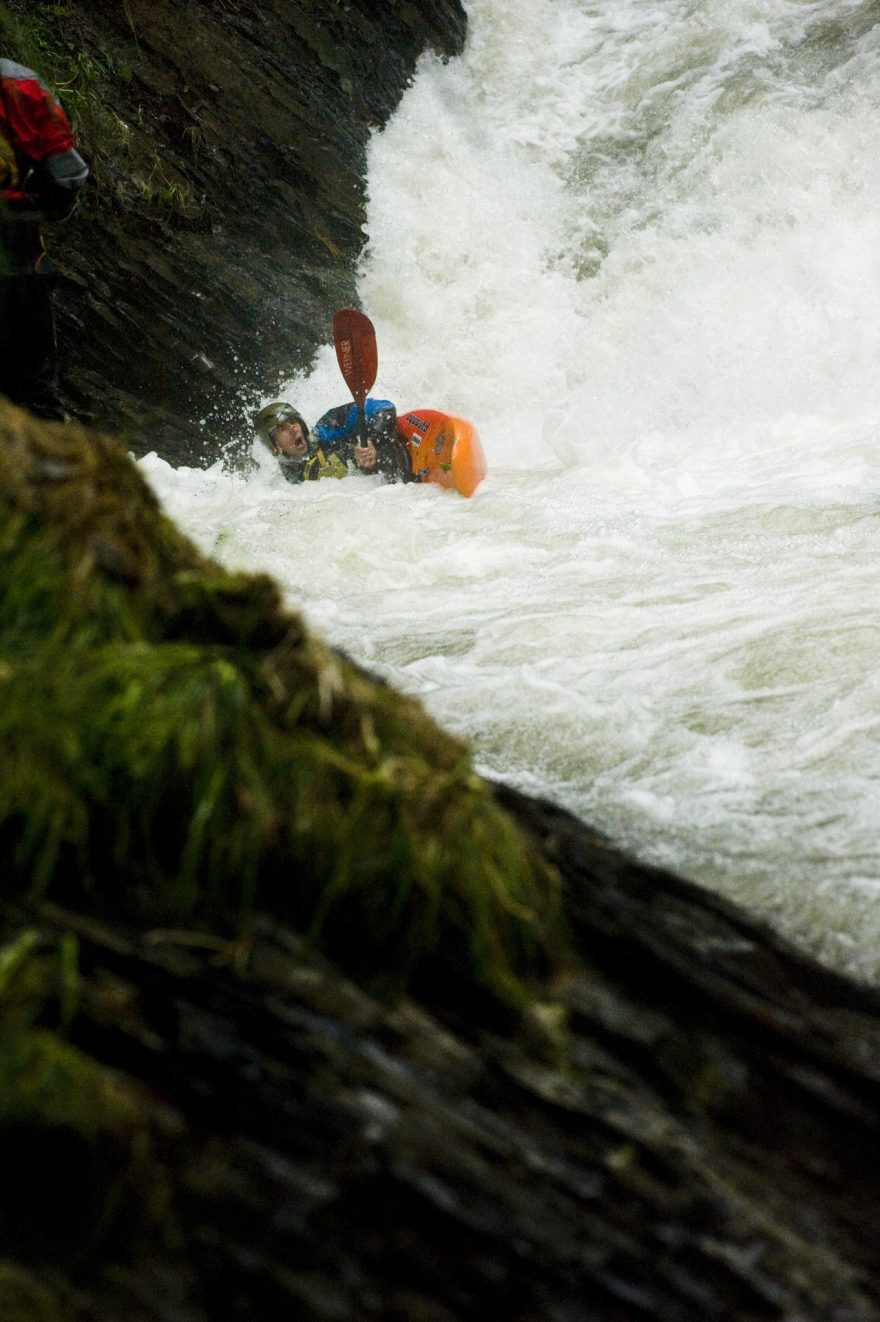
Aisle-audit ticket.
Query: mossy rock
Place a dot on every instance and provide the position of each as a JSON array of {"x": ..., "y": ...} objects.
[
  {"x": 179, "y": 747},
  {"x": 24, "y": 1299}
]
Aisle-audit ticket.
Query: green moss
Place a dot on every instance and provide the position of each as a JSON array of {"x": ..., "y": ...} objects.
[
  {"x": 159, "y": 764},
  {"x": 24, "y": 1299},
  {"x": 178, "y": 748},
  {"x": 40, "y": 36},
  {"x": 25, "y": 980}
]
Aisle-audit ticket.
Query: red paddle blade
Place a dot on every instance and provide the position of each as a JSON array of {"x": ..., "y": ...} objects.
[{"x": 356, "y": 352}]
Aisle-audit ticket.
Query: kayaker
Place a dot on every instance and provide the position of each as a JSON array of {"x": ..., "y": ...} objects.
[
  {"x": 285, "y": 434},
  {"x": 41, "y": 173},
  {"x": 334, "y": 444}
]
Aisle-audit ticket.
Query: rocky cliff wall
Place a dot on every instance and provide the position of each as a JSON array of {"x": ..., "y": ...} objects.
[{"x": 225, "y": 213}]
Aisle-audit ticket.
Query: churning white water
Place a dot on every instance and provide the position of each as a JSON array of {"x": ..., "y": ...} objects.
[{"x": 638, "y": 243}]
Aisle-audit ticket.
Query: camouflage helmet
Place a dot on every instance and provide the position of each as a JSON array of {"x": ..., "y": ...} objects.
[{"x": 272, "y": 416}]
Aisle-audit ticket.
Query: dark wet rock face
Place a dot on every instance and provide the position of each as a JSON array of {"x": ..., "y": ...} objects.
[{"x": 238, "y": 151}]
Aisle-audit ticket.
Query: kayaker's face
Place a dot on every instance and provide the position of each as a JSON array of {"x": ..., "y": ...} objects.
[{"x": 288, "y": 438}]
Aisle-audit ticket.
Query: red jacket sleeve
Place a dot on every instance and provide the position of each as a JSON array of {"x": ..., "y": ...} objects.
[{"x": 36, "y": 123}]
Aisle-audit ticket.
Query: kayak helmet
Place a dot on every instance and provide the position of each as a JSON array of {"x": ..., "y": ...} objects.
[{"x": 272, "y": 416}]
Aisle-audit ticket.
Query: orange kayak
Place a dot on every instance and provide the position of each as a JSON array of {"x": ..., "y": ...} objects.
[{"x": 443, "y": 449}]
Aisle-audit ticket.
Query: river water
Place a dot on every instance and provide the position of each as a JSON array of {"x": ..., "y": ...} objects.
[{"x": 638, "y": 243}]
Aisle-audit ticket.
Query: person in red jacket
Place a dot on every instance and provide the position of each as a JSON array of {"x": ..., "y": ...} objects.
[{"x": 41, "y": 173}]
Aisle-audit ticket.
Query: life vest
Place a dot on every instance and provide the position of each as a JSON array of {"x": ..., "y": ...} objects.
[{"x": 323, "y": 465}]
